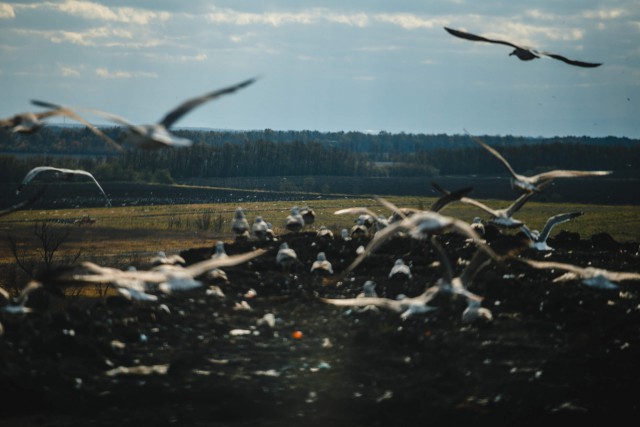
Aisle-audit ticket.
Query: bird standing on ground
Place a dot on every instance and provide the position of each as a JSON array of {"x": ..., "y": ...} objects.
[
  {"x": 61, "y": 174},
  {"x": 321, "y": 265},
  {"x": 240, "y": 225},
  {"x": 259, "y": 228},
  {"x": 286, "y": 257},
  {"x": 400, "y": 270},
  {"x": 522, "y": 53},
  {"x": 308, "y": 215},
  {"x": 294, "y": 221}
]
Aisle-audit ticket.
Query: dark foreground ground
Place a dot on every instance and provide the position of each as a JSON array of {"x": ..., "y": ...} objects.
[{"x": 562, "y": 352}]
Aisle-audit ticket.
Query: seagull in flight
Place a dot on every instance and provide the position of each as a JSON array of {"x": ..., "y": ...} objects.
[
  {"x": 419, "y": 225},
  {"x": 538, "y": 240},
  {"x": 61, "y": 174},
  {"x": 402, "y": 304},
  {"x": 590, "y": 276},
  {"x": 17, "y": 305},
  {"x": 522, "y": 53},
  {"x": 28, "y": 123},
  {"x": 157, "y": 135},
  {"x": 166, "y": 281},
  {"x": 534, "y": 183}
]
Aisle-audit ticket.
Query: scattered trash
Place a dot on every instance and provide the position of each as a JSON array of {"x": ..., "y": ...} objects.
[{"x": 138, "y": 370}]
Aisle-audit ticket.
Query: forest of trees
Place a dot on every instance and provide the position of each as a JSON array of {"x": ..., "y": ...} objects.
[{"x": 306, "y": 153}]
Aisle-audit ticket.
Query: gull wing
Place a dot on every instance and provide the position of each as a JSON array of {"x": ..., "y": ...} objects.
[
  {"x": 387, "y": 303},
  {"x": 547, "y": 176},
  {"x": 202, "y": 267},
  {"x": 555, "y": 220},
  {"x": 81, "y": 172},
  {"x": 475, "y": 38},
  {"x": 190, "y": 104},
  {"x": 34, "y": 172},
  {"x": 518, "y": 203},
  {"x": 619, "y": 276},
  {"x": 391, "y": 207},
  {"x": 571, "y": 61},
  {"x": 496, "y": 154},
  {"x": 477, "y": 204},
  {"x": 446, "y": 263},
  {"x": 480, "y": 260},
  {"x": 551, "y": 265},
  {"x": 449, "y": 197},
  {"x": 65, "y": 111}
]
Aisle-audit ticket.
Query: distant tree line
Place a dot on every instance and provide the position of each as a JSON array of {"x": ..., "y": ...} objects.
[{"x": 226, "y": 154}]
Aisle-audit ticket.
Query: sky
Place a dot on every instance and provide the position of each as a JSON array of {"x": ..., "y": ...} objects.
[{"x": 358, "y": 65}]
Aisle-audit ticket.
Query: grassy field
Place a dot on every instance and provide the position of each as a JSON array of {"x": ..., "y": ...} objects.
[
  {"x": 175, "y": 227},
  {"x": 123, "y": 236}
]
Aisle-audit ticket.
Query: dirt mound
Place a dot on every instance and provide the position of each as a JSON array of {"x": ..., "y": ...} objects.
[{"x": 554, "y": 351}]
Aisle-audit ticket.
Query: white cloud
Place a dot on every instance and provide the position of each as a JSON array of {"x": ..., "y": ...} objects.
[
  {"x": 604, "y": 14},
  {"x": 356, "y": 20},
  {"x": 6, "y": 11},
  {"x": 177, "y": 58},
  {"x": 277, "y": 19},
  {"x": 106, "y": 74},
  {"x": 67, "y": 71},
  {"x": 410, "y": 21},
  {"x": 96, "y": 11}
]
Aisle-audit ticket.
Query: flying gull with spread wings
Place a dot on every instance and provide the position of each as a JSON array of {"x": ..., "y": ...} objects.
[
  {"x": 521, "y": 52},
  {"x": 157, "y": 135},
  {"x": 61, "y": 174}
]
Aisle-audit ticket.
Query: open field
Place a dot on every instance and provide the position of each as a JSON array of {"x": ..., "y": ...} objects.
[{"x": 132, "y": 231}]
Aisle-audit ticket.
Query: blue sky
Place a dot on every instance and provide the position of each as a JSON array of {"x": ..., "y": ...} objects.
[{"x": 363, "y": 65}]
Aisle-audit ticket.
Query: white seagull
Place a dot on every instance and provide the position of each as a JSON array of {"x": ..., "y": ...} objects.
[
  {"x": 161, "y": 258},
  {"x": 219, "y": 253},
  {"x": 166, "y": 281},
  {"x": 240, "y": 225},
  {"x": 32, "y": 122},
  {"x": 403, "y": 304},
  {"x": 308, "y": 215},
  {"x": 61, "y": 174},
  {"x": 294, "y": 221},
  {"x": 521, "y": 52},
  {"x": 458, "y": 285},
  {"x": 17, "y": 305},
  {"x": 419, "y": 225},
  {"x": 259, "y": 228},
  {"x": 400, "y": 269},
  {"x": 286, "y": 257},
  {"x": 538, "y": 240},
  {"x": 502, "y": 217},
  {"x": 321, "y": 265},
  {"x": 590, "y": 276},
  {"x": 536, "y": 182},
  {"x": 156, "y": 136}
]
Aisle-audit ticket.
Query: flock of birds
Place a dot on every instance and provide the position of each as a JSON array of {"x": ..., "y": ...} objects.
[{"x": 170, "y": 274}]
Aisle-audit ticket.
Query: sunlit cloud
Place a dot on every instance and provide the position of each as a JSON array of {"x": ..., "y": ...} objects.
[
  {"x": 382, "y": 48},
  {"x": 604, "y": 14},
  {"x": 96, "y": 11},
  {"x": 228, "y": 16},
  {"x": 410, "y": 21},
  {"x": 107, "y": 74},
  {"x": 67, "y": 71},
  {"x": 166, "y": 57},
  {"x": 356, "y": 20},
  {"x": 6, "y": 11}
]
